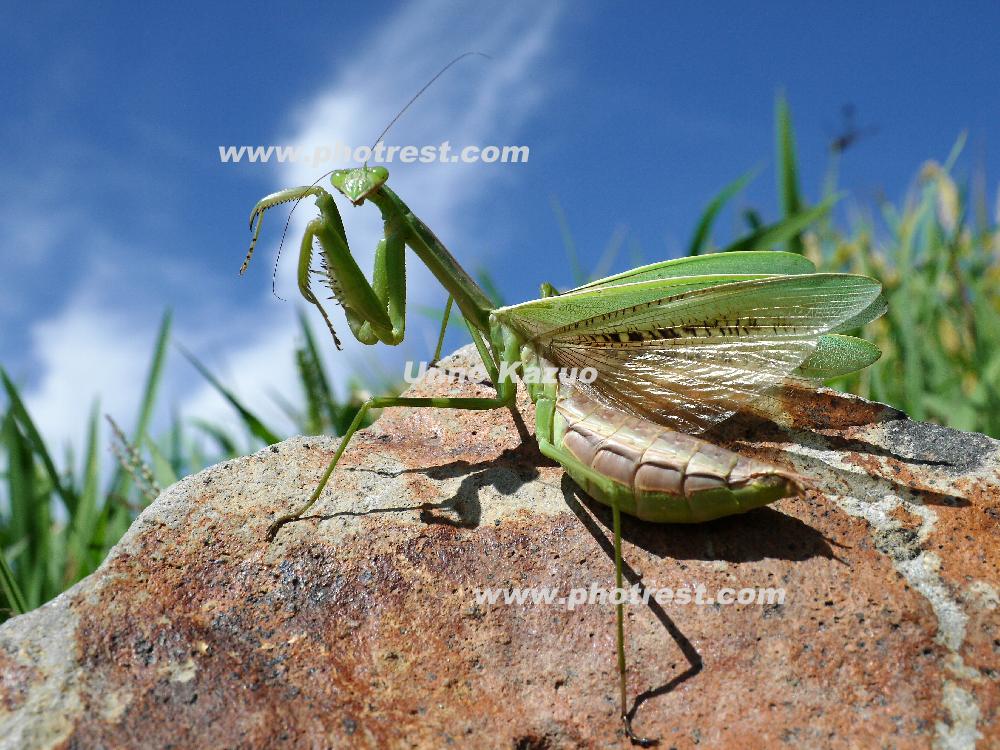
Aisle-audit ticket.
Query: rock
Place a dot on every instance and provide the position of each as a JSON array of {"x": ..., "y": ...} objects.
[{"x": 358, "y": 627}]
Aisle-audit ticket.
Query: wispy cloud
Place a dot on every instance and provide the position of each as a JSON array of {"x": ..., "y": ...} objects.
[
  {"x": 480, "y": 103},
  {"x": 84, "y": 352},
  {"x": 95, "y": 339}
]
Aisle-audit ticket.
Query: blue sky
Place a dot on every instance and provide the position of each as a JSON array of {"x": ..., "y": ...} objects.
[{"x": 114, "y": 205}]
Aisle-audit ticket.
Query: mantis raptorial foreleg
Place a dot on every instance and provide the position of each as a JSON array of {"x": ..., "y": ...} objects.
[
  {"x": 270, "y": 201},
  {"x": 376, "y": 311}
]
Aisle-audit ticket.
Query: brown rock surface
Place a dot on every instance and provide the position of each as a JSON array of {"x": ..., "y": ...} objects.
[{"x": 358, "y": 627}]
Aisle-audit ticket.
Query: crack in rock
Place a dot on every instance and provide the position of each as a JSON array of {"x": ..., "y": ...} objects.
[{"x": 922, "y": 572}]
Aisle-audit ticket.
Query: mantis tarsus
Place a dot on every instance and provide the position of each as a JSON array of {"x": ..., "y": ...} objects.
[{"x": 678, "y": 346}]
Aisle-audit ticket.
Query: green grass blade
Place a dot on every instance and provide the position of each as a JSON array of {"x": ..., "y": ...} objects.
[
  {"x": 250, "y": 420},
  {"x": 569, "y": 246},
  {"x": 704, "y": 227},
  {"x": 153, "y": 378},
  {"x": 11, "y": 591},
  {"x": 83, "y": 549},
  {"x": 20, "y": 413},
  {"x": 611, "y": 252},
  {"x": 162, "y": 470},
  {"x": 788, "y": 178},
  {"x": 782, "y": 231},
  {"x": 116, "y": 516},
  {"x": 294, "y": 415},
  {"x": 179, "y": 462},
  {"x": 489, "y": 286},
  {"x": 753, "y": 219},
  {"x": 226, "y": 442},
  {"x": 956, "y": 151},
  {"x": 30, "y": 514},
  {"x": 320, "y": 407}
]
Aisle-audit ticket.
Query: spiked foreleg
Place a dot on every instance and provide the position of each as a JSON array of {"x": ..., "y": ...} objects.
[
  {"x": 270, "y": 201},
  {"x": 375, "y": 312},
  {"x": 305, "y": 269}
]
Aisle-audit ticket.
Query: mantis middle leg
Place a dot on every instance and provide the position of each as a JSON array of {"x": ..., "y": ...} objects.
[{"x": 505, "y": 398}]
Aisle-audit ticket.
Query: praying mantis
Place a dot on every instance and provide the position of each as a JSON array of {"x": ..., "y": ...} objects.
[{"x": 678, "y": 347}]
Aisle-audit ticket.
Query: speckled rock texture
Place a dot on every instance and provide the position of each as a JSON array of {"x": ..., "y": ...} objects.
[{"x": 358, "y": 627}]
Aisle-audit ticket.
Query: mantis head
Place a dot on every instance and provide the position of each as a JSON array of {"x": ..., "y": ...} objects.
[{"x": 358, "y": 184}]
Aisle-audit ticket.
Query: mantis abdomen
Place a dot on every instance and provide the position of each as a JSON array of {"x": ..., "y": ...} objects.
[{"x": 654, "y": 473}]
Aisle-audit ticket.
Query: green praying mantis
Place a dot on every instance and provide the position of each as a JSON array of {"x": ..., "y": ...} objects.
[{"x": 678, "y": 347}]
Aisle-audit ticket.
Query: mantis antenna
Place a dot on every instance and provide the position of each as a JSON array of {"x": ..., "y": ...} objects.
[{"x": 274, "y": 272}]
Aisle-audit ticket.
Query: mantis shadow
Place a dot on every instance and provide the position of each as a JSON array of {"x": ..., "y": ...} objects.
[
  {"x": 897, "y": 453},
  {"x": 464, "y": 509},
  {"x": 763, "y": 533},
  {"x": 506, "y": 473},
  {"x": 920, "y": 453},
  {"x": 759, "y": 534}
]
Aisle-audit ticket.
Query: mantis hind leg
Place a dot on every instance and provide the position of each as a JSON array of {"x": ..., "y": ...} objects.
[
  {"x": 567, "y": 460},
  {"x": 616, "y": 515}
]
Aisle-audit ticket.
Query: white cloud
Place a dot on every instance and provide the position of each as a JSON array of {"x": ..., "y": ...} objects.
[
  {"x": 479, "y": 102},
  {"x": 85, "y": 352},
  {"x": 99, "y": 341},
  {"x": 96, "y": 343}
]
